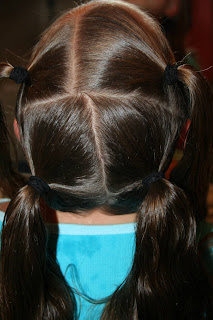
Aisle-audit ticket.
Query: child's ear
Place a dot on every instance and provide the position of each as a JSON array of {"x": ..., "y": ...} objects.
[{"x": 16, "y": 129}]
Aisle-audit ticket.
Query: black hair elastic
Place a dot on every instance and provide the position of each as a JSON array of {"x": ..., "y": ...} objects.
[
  {"x": 40, "y": 186},
  {"x": 171, "y": 74},
  {"x": 19, "y": 75},
  {"x": 153, "y": 177}
]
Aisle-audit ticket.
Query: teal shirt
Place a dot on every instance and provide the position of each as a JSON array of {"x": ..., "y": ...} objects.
[
  {"x": 95, "y": 260},
  {"x": 205, "y": 237}
]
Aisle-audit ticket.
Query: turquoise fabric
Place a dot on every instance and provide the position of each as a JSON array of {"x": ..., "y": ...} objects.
[
  {"x": 203, "y": 229},
  {"x": 95, "y": 260},
  {"x": 205, "y": 232}
]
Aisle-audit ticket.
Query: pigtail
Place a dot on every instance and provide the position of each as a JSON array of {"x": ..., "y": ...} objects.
[
  {"x": 32, "y": 286},
  {"x": 5, "y": 69},
  {"x": 194, "y": 170},
  {"x": 23, "y": 238},
  {"x": 166, "y": 262},
  {"x": 166, "y": 281}
]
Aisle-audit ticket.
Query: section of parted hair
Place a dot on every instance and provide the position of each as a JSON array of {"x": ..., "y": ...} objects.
[
  {"x": 101, "y": 130},
  {"x": 96, "y": 120}
]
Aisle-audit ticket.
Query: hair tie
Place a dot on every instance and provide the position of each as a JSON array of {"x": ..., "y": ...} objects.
[
  {"x": 39, "y": 185},
  {"x": 171, "y": 74},
  {"x": 19, "y": 75},
  {"x": 153, "y": 177}
]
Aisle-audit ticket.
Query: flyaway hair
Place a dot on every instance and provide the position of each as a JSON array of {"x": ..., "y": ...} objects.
[{"x": 95, "y": 121}]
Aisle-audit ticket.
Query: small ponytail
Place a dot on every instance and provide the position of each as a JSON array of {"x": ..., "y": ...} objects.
[
  {"x": 194, "y": 170},
  {"x": 166, "y": 270},
  {"x": 5, "y": 69},
  {"x": 17, "y": 74},
  {"x": 42, "y": 292}
]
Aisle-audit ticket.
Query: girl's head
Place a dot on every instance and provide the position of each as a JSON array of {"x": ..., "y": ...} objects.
[{"x": 96, "y": 118}]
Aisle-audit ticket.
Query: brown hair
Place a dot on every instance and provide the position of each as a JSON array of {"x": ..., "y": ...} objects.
[
  {"x": 97, "y": 119},
  {"x": 10, "y": 179}
]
